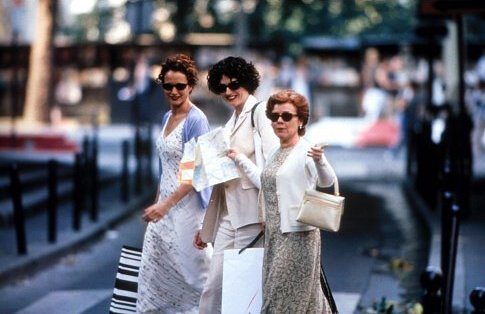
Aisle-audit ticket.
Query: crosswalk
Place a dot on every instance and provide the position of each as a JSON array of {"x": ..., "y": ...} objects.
[
  {"x": 79, "y": 301},
  {"x": 67, "y": 301}
]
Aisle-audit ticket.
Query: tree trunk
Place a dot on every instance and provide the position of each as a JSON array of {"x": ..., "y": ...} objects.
[{"x": 39, "y": 85}]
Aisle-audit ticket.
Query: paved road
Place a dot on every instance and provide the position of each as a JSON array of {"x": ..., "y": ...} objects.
[
  {"x": 355, "y": 259},
  {"x": 78, "y": 281},
  {"x": 378, "y": 230}
]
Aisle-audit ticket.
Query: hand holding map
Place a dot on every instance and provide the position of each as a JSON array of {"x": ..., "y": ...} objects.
[{"x": 211, "y": 164}]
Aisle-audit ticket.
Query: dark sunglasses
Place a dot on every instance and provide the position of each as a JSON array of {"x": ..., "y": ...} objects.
[
  {"x": 178, "y": 86},
  {"x": 233, "y": 85},
  {"x": 286, "y": 116}
]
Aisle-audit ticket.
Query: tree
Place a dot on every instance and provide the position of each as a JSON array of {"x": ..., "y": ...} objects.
[{"x": 39, "y": 87}]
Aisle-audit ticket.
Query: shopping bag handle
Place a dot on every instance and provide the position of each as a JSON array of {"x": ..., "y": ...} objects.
[{"x": 260, "y": 234}]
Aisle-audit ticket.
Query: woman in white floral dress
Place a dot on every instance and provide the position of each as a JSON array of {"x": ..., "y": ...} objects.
[{"x": 172, "y": 272}]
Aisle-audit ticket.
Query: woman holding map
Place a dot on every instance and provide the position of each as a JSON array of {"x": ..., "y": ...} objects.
[
  {"x": 172, "y": 273},
  {"x": 232, "y": 219}
]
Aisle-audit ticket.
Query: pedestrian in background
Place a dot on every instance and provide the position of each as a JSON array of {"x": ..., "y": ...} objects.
[
  {"x": 407, "y": 104},
  {"x": 477, "y": 104},
  {"x": 172, "y": 273},
  {"x": 232, "y": 219}
]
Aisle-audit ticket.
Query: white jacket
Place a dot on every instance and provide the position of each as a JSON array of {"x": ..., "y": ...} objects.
[
  {"x": 297, "y": 174},
  {"x": 240, "y": 196}
]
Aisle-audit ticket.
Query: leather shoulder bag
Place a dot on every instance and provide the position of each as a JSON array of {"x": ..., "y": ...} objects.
[{"x": 322, "y": 210}]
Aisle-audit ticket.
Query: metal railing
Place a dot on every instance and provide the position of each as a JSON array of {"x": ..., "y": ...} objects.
[{"x": 85, "y": 186}]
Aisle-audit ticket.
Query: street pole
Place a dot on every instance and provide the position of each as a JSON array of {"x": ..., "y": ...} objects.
[{"x": 14, "y": 89}]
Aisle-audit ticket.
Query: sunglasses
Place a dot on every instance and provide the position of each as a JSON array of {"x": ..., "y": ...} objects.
[
  {"x": 233, "y": 85},
  {"x": 178, "y": 86},
  {"x": 286, "y": 116}
]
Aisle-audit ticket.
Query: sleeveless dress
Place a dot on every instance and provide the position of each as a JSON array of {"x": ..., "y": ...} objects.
[
  {"x": 291, "y": 272},
  {"x": 172, "y": 271}
]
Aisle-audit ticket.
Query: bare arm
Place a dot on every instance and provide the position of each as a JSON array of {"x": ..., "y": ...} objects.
[{"x": 158, "y": 210}]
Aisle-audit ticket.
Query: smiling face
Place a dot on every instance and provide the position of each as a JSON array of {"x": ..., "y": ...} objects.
[
  {"x": 237, "y": 97},
  {"x": 177, "y": 98},
  {"x": 287, "y": 131}
]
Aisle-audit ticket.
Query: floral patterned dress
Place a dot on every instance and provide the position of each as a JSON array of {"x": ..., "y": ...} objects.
[
  {"x": 172, "y": 272},
  {"x": 291, "y": 267}
]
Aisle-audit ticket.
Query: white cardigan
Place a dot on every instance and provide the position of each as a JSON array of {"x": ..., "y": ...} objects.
[{"x": 297, "y": 174}]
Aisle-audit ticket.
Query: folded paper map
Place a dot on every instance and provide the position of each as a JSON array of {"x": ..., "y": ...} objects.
[{"x": 208, "y": 157}]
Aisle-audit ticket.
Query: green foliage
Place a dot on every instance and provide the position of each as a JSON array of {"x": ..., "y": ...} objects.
[
  {"x": 276, "y": 21},
  {"x": 89, "y": 26},
  {"x": 268, "y": 18}
]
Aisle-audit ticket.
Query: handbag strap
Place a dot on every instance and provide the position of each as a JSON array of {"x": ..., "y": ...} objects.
[
  {"x": 252, "y": 113},
  {"x": 327, "y": 291},
  {"x": 258, "y": 151},
  {"x": 336, "y": 186},
  {"x": 336, "y": 189},
  {"x": 252, "y": 243}
]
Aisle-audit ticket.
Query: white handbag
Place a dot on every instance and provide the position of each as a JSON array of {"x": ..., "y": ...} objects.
[{"x": 322, "y": 210}]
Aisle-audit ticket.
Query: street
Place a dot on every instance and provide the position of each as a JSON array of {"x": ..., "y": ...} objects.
[{"x": 378, "y": 231}]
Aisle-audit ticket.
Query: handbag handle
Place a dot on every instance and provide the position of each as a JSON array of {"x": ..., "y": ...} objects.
[
  {"x": 336, "y": 190},
  {"x": 336, "y": 186}
]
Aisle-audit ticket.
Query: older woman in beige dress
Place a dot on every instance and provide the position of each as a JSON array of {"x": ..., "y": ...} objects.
[{"x": 291, "y": 268}]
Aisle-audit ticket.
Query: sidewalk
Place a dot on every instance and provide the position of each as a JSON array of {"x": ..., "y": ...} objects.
[{"x": 111, "y": 209}]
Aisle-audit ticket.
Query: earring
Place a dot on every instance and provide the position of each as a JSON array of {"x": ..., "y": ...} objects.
[{"x": 300, "y": 127}]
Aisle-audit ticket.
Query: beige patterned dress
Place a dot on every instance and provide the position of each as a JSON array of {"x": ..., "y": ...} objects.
[{"x": 291, "y": 271}]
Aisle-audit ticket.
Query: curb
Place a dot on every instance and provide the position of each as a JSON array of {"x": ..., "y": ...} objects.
[
  {"x": 17, "y": 266},
  {"x": 432, "y": 221}
]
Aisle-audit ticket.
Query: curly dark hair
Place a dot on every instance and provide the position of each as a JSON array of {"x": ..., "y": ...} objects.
[
  {"x": 234, "y": 68},
  {"x": 179, "y": 63},
  {"x": 294, "y": 98}
]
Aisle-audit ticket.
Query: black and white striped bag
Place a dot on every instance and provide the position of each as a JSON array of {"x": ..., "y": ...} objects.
[{"x": 126, "y": 283}]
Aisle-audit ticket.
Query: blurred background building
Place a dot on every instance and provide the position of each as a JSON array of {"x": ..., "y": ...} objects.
[{"x": 316, "y": 47}]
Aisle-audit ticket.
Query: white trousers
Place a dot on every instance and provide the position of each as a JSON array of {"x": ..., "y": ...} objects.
[{"x": 226, "y": 238}]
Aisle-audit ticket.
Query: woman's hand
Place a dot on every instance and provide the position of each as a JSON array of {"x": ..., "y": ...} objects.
[
  {"x": 232, "y": 153},
  {"x": 156, "y": 212},
  {"x": 316, "y": 152},
  {"x": 198, "y": 243}
]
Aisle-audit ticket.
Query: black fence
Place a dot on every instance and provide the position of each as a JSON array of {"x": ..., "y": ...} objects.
[{"x": 84, "y": 174}]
